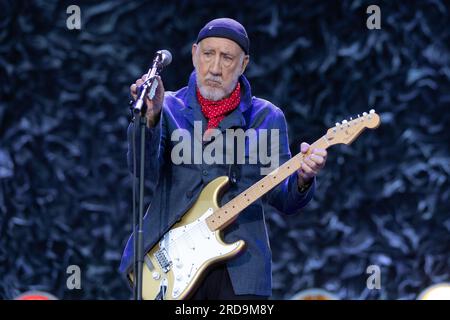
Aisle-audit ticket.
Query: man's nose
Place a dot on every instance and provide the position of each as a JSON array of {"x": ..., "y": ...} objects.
[{"x": 215, "y": 67}]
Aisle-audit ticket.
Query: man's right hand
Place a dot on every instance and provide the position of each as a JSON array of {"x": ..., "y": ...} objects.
[{"x": 154, "y": 106}]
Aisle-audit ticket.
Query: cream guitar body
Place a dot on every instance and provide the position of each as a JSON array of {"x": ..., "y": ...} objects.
[{"x": 175, "y": 265}]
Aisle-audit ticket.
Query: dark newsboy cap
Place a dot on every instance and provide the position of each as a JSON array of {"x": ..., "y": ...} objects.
[{"x": 226, "y": 28}]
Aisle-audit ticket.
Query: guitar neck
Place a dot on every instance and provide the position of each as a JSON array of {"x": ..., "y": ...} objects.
[
  {"x": 344, "y": 133},
  {"x": 229, "y": 212}
]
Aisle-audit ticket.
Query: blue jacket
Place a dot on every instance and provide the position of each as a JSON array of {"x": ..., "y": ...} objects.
[{"x": 175, "y": 187}]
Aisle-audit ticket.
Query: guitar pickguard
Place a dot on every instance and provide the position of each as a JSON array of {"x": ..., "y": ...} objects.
[{"x": 189, "y": 249}]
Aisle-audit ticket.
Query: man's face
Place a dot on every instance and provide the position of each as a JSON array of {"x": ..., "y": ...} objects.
[{"x": 218, "y": 63}]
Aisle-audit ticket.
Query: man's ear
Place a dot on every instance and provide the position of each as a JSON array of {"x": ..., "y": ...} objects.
[
  {"x": 194, "y": 55},
  {"x": 245, "y": 62}
]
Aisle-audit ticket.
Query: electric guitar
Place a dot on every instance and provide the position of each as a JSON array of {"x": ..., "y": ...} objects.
[{"x": 175, "y": 265}]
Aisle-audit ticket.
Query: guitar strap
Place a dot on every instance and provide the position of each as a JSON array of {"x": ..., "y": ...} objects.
[
  {"x": 234, "y": 170},
  {"x": 234, "y": 173}
]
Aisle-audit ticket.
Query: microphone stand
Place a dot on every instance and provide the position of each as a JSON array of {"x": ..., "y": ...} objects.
[
  {"x": 138, "y": 234},
  {"x": 139, "y": 110}
]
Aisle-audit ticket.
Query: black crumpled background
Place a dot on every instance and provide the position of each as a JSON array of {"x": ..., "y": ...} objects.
[{"x": 65, "y": 190}]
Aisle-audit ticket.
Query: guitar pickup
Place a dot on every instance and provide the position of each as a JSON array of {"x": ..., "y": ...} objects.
[{"x": 163, "y": 260}]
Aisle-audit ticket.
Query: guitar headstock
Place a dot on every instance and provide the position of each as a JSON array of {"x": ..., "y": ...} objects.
[{"x": 348, "y": 130}]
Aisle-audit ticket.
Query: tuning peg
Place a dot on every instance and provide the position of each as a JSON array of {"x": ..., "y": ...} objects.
[
  {"x": 337, "y": 124},
  {"x": 335, "y": 128},
  {"x": 372, "y": 111},
  {"x": 364, "y": 114}
]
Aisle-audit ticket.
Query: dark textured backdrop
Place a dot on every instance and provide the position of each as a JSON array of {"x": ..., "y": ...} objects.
[{"x": 64, "y": 186}]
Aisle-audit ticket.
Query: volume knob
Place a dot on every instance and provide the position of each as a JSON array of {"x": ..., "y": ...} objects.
[{"x": 156, "y": 275}]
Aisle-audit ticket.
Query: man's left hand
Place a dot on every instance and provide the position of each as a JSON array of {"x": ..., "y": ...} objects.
[{"x": 311, "y": 164}]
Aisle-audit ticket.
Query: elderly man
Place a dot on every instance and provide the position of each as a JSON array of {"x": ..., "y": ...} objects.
[{"x": 218, "y": 97}]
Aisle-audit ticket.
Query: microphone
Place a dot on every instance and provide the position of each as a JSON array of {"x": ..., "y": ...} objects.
[
  {"x": 162, "y": 59},
  {"x": 166, "y": 57}
]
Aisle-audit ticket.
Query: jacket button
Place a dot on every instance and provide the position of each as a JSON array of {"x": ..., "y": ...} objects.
[{"x": 205, "y": 172}]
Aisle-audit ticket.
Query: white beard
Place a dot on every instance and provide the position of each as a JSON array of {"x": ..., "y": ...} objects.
[
  {"x": 210, "y": 93},
  {"x": 216, "y": 94}
]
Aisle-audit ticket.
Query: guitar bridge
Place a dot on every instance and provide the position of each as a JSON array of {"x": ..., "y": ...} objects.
[{"x": 163, "y": 259}]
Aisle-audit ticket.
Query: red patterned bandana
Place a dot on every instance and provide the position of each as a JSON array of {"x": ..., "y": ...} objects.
[{"x": 215, "y": 111}]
